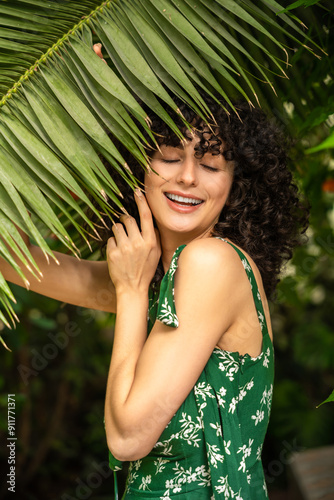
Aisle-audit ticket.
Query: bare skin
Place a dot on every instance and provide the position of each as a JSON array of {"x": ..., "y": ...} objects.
[{"x": 79, "y": 282}]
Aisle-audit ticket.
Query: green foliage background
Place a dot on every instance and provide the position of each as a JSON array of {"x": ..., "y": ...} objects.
[{"x": 60, "y": 388}]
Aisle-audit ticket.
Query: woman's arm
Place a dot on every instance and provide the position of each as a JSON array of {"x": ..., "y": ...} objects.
[
  {"x": 80, "y": 282},
  {"x": 149, "y": 378},
  {"x": 133, "y": 257}
]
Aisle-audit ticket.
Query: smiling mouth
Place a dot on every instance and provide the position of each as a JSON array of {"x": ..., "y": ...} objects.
[{"x": 181, "y": 200}]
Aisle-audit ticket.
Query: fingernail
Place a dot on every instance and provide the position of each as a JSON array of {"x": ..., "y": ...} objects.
[
  {"x": 138, "y": 193},
  {"x": 99, "y": 45}
]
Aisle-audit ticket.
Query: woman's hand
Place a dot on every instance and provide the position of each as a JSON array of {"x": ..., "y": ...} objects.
[{"x": 132, "y": 255}]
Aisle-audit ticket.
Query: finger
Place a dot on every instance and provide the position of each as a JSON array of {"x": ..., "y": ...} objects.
[
  {"x": 119, "y": 234},
  {"x": 97, "y": 47},
  {"x": 131, "y": 226},
  {"x": 145, "y": 214},
  {"x": 157, "y": 236},
  {"x": 111, "y": 243}
]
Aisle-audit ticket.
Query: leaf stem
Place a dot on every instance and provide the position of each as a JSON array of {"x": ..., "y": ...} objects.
[{"x": 31, "y": 71}]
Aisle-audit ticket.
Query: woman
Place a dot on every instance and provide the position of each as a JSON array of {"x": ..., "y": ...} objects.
[{"x": 189, "y": 403}]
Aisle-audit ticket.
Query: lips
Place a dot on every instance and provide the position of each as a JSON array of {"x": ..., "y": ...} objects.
[
  {"x": 183, "y": 203},
  {"x": 180, "y": 199}
]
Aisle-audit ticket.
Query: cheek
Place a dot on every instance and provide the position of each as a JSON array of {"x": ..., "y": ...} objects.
[
  {"x": 146, "y": 180},
  {"x": 221, "y": 192},
  {"x": 221, "y": 188},
  {"x": 151, "y": 183}
]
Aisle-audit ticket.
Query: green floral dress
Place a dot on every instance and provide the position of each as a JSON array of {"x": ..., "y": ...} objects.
[{"x": 211, "y": 448}]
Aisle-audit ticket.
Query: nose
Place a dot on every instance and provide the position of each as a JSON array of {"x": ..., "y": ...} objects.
[{"x": 187, "y": 174}]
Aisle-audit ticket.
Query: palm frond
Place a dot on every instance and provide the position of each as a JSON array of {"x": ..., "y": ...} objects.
[{"x": 59, "y": 101}]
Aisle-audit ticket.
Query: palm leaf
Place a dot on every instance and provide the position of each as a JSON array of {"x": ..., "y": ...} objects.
[{"x": 59, "y": 101}]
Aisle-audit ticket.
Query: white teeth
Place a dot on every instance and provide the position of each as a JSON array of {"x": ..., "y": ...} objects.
[{"x": 190, "y": 201}]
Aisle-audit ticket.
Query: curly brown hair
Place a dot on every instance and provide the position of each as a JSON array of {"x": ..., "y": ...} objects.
[{"x": 265, "y": 214}]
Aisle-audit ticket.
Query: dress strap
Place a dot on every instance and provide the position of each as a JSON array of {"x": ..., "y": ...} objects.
[
  {"x": 166, "y": 305},
  {"x": 254, "y": 287}
]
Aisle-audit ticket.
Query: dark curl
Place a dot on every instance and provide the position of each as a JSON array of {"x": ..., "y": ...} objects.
[{"x": 264, "y": 213}]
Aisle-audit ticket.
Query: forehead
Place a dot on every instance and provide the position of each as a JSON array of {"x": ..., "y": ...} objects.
[{"x": 204, "y": 139}]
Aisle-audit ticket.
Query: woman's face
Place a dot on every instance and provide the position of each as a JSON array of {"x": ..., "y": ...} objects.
[{"x": 189, "y": 193}]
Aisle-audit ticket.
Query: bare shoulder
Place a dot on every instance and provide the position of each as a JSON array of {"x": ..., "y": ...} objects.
[
  {"x": 209, "y": 256},
  {"x": 211, "y": 274},
  {"x": 216, "y": 266}
]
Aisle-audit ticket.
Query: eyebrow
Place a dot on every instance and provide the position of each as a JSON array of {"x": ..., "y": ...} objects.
[{"x": 179, "y": 146}]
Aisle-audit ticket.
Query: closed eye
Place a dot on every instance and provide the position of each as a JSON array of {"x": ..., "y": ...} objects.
[
  {"x": 165, "y": 160},
  {"x": 211, "y": 169}
]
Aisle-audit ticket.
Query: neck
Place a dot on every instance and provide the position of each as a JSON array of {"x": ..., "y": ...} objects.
[{"x": 170, "y": 241}]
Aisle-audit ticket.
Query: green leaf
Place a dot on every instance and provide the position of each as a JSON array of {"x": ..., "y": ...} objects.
[
  {"x": 44, "y": 160},
  {"x": 110, "y": 112},
  {"x": 15, "y": 241},
  {"x": 10, "y": 45},
  {"x": 182, "y": 50},
  {"x": 52, "y": 187},
  {"x": 162, "y": 60},
  {"x": 77, "y": 149},
  {"x": 27, "y": 25},
  {"x": 174, "y": 17},
  {"x": 96, "y": 93},
  {"x": 104, "y": 75},
  {"x": 206, "y": 20},
  {"x": 300, "y": 3},
  {"x": 141, "y": 90},
  {"x": 133, "y": 60},
  {"x": 328, "y": 400},
  {"x": 5, "y": 253},
  {"x": 236, "y": 9},
  {"x": 318, "y": 115},
  {"x": 328, "y": 143},
  {"x": 14, "y": 208},
  {"x": 79, "y": 112},
  {"x": 13, "y": 174}
]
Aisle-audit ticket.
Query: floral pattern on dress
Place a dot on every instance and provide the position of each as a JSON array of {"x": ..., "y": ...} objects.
[
  {"x": 160, "y": 464},
  {"x": 265, "y": 401},
  {"x": 225, "y": 488},
  {"x": 183, "y": 477},
  {"x": 228, "y": 364},
  {"x": 167, "y": 316}
]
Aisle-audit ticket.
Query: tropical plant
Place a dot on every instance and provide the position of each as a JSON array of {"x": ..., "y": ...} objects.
[{"x": 59, "y": 100}]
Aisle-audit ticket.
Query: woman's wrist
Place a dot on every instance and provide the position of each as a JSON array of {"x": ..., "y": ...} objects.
[
  {"x": 130, "y": 331},
  {"x": 130, "y": 293},
  {"x": 131, "y": 302}
]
